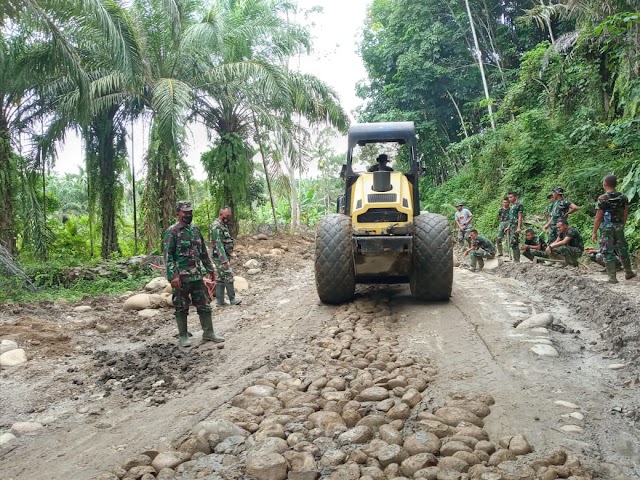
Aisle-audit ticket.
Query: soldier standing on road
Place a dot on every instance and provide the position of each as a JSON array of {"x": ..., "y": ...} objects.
[
  {"x": 481, "y": 248},
  {"x": 611, "y": 216},
  {"x": 187, "y": 260},
  {"x": 560, "y": 208},
  {"x": 534, "y": 246},
  {"x": 503, "y": 223},
  {"x": 568, "y": 245},
  {"x": 463, "y": 218},
  {"x": 221, "y": 249},
  {"x": 516, "y": 217}
]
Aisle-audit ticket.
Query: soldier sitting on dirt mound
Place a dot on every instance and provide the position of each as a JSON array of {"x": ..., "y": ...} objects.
[
  {"x": 568, "y": 246},
  {"x": 533, "y": 246},
  {"x": 481, "y": 248},
  {"x": 186, "y": 258}
]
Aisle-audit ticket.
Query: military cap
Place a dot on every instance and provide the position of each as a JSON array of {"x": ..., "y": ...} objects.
[
  {"x": 558, "y": 190},
  {"x": 184, "y": 206},
  {"x": 459, "y": 204},
  {"x": 382, "y": 158}
]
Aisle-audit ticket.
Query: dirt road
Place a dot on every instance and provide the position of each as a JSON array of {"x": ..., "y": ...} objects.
[{"x": 350, "y": 390}]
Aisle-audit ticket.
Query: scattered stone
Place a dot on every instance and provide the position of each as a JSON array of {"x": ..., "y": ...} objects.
[
  {"x": 141, "y": 471},
  {"x": 373, "y": 394},
  {"x": 617, "y": 366},
  {"x": 6, "y": 438},
  {"x": 453, "y": 416},
  {"x": 412, "y": 397},
  {"x": 417, "y": 462},
  {"x": 82, "y": 308},
  {"x": 356, "y": 436},
  {"x": 572, "y": 429},
  {"x": 576, "y": 415},
  {"x": 137, "y": 461},
  {"x": 271, "y": 466},
  {"x": 544, "y": 350},
  {"x": 401, "y": 411},
  {"x": 261, "y": 236},
  {"x": 452, "y": 463},
  {"x": 421, "y": 442},
  {"x": 251, "y": 264},
  {"x": 259, "y": 391},
  {"x": 148, "y": 313},
  {"x": 7, "y": 345},
  {"x": 328, "y": 422},
  {"x": 538, "y": 320},
  {"x": 451, "y": 447},
  {"x": 169, "y": 459},
  {"x": 485, "y": 446},
  {"x": 240, "y": 283},
  {"x": 13, "y": 358},
  {"x": 333, "y": 458},
  {"x": 562, "y": 403},
  {"x": 519, "y": 445},
  {"x": 476, "y": 407},
  {"x": 103, "y": 327},
  {"x": 302, "y": 466},
  {"x": 25, "y": 428},
  {"x": 542, "y": 330},
  {"x": 391, "y": 454},
  {"x": 391, "y": 435},
  {"x": 502, "y": 455},
  {"x": 253, "y": 271},
  {"x": 374, "y": 422},
  {"x": 220, "y": 427}
]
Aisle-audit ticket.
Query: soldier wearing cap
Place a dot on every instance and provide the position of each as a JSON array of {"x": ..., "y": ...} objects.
[
  {"x": 516, "y": 219},
  {"x": 221, "y": 249},
  {"x": 560, "y": 208},
  {"x": 463, "y": 218},
  {"x": 381, "y": 166},
  {"x": 503, "y": 223},
  {"x": 187, "y": 261},
  {"x": 611, "y": 216},
  {"x": 480, "y": 249}
]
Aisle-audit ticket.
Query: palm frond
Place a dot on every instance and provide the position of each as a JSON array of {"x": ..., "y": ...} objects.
[{"x": 171, "y": 98}]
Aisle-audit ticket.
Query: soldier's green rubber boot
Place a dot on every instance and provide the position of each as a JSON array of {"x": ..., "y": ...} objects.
[
  {"x": 183, "y": 334},
  {"x": 500, "y": 248},
  {"x": 208, "y": 335},
  {"x": 628, "y": 273},
  {"x": 480, "y": 263},
  {"x": 220, "y": 294},
  {"x": 231, "y": 292},
  {"x": 611, "y": 271},
  {"x": 516, "y": 254}
]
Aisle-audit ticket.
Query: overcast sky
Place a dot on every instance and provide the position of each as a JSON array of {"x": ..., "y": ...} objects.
[{"x": 334, "y": 60}]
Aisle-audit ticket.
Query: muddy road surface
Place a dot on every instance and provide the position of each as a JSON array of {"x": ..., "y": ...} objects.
[{"x": 528, "y": 372}]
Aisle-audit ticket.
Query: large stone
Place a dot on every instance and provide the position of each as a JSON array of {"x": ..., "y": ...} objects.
[
  {"x": 170, "y": 459},
  {"x": 6, "y": 438},
  {"x": 470, "y": 458},
  {"x": 240, "y": 283},
  {"x": 537, "y": 320},
  {"x": 472, "y": 431},
  {"x": 476, "y": 407},
  {"x": 220, "y": 427},
  {"x": 302, "y": 466},
  {"x": 268, "y": 445},
  {"x": 356, "y": 436},
  {"x": 25, "y": 428},
  {"x": 253, "y": 263},
  {"x": 502, "y": 455},
  {"x": 137, "y": 461},
  {"x": 453, "y": 416},
  {"x": 271, "y": 466},
  {"x": 401, "y": 411},
  {"x": 329, "y": 422},
  {"x": 390, "y": 435},
  {"x": 412, "y": 397},
  {"x": 485, "y": 446},
  {"x": 374, "y": 422},
  {"x": 259, "y": 391},
  {"x": 157, "y": 284},
  {"x": 436, "y": 427},
  {"x": 519, "y": 445},
  {"x": 373, "y": 394},
  {"x": 544, "y": 350},
  {"x": 7, "y": 345},
  {"x": 13, "y": 358},
  {"x": 391, "y": 454},
  {"x": 333, "y": 458},
  {"x": 141, "y": 472},
  {"x": 422, "y": 442},
  {"x": 451, "y": 447},
  {"x": 453, "y": 463},
  {"x": 417, "y": 462}
]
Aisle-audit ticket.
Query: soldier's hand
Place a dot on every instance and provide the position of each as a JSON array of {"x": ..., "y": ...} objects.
[
  {"x": 175, "y": 283},
  {"x": 518, "y": 230},
  {"x": 594, "y": 237}
]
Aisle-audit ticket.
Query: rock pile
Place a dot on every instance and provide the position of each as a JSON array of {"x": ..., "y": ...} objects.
[{"x": 351, "y": 405}]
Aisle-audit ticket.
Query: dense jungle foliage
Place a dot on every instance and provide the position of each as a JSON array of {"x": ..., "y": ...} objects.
[
  {"x": 562, "y": 84},
  {"x": 516, "y": 95}
]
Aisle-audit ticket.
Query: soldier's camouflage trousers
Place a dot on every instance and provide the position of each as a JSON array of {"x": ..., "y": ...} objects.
[
  {"x": 535, "y": 253},
  {"x": 568, "y": 254},
  {"x": 612, "y": 240},
  {"x": 224, "y": 276},
  {"x": 194, "y": 292},
  {"x": 500, "y": 234},
  {"x": 476, "y": 257},
  {"x": 514, "y": 238},
  {"x": 553, "y": 234}
]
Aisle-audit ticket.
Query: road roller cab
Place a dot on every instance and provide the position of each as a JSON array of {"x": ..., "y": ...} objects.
[{"x": 379, "y": 234}]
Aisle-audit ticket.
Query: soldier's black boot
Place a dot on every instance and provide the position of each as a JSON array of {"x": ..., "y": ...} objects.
[
  {"x": 628, "y": 273},
  {"x": 220, "y": 294},
  {"x": 611, "y": 271},
  {"x": 183, "y": 334},
  {"x": 208, "y": 335},
  {"x": 231, "y": 292}
]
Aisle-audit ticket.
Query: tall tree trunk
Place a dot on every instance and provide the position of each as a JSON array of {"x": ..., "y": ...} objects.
[
  {"x": 7, "y": 171},
  {"x": 266, "y": 174},
  {"x": 481, "y": 65}
]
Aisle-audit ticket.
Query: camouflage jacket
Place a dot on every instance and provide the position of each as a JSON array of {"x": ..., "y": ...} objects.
[
  {"x": 576, "y": 238},
  {"x": 614, "y": 203},
  {"x": 484, "y": 243},
  {"x": 515, "y": 209},
  {"x": 503, "y": 215},
  {"x": 536, "y": 240},
  {"x": 221, "y": 241},
  {"x": 185, "y": 253},
  {"x": 559, "y": 209}
]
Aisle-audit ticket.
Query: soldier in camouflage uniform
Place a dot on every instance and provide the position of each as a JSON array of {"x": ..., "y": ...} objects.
[
  {"x": 503, "y": 224},
  {"x": 187, "y": 260},
  {"x": 568, "y": 246},
  {"x": 516, "y": 217},
  {"x": 221, "y": 249},
  {"x": 481, "y": 248},
  {"x": 534, "y": 246},
  {"x": 560, "y": 208},
  {"x": 611, "y": 216}
]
